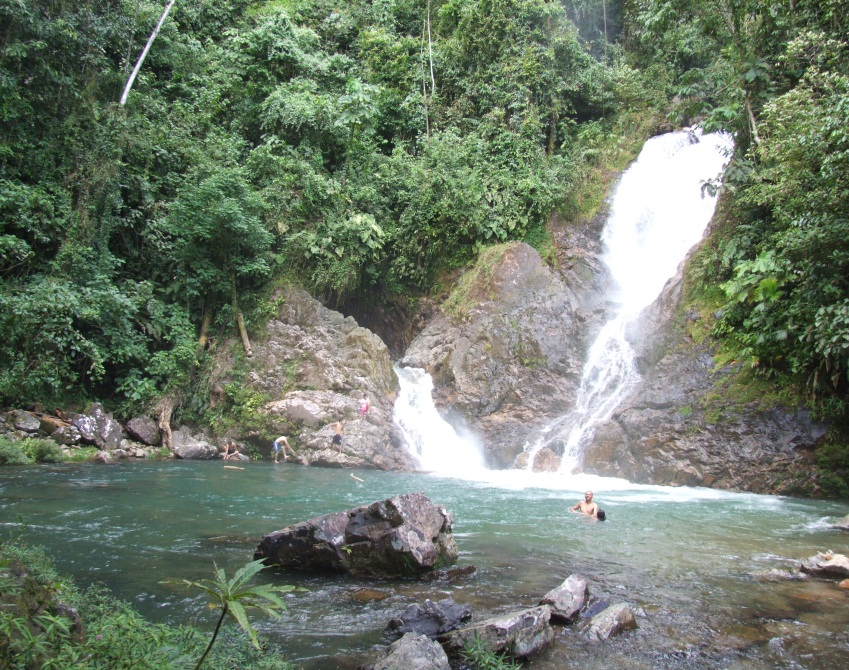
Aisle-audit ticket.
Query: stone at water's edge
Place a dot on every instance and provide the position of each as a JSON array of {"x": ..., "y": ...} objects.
[
  {"x": 412, "y": 652},
  {"x": 826, "y": 565},
  {"x": 568, "y": 599},
  {"x": 401, "y": 536},
  {"x": 520, "y": 634}
]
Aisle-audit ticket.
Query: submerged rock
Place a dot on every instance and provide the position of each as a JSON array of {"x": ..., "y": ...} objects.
[
  {"x": 431, "y": 618},
  {"x": 400, "y": 536},
  {"x": 611, "y": 621},
  {"x": 843, "y": 524}
]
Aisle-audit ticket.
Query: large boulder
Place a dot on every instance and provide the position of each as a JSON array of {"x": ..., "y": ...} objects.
[
  {"x": 520, "y": 634},
  {"x": 192, "y": 447},
  {"x": 311, "y": 366},
  {"x": 145, "y": 430},
  {"x": 96, "y": 426},
  {"x": 412, "y": 652},
  {"x": 399, "y": 536},
  {"x": 506, "y": 352},
  {"x": 24, "y": 421}
]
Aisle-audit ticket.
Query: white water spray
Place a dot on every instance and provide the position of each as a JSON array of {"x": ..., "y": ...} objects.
[
  {"x": 430, "y": 438},
  {"x": 658, "y": 212}
]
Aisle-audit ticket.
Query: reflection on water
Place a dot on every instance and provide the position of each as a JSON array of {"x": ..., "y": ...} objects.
[{"x": 686, "y": 557}]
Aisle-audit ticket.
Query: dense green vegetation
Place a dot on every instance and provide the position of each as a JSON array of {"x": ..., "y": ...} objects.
[
  {"x": 359, "y": 147},
  {"x": 363, "y": 148},
  {"x": 48, "y": 622}
]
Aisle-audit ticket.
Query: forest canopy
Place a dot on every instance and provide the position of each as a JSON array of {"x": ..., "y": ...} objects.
[{"x": 364, "y": 148}]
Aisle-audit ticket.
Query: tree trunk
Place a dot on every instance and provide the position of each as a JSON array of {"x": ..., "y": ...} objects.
[
  {"x": 144, "y": 52},
  {"x": 165, "y": 408},
  {"x": 204, "y": 328},
  {"x": 240, "y": 321}
]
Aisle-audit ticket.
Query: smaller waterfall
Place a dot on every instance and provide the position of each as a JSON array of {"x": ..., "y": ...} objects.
[
  {"x": 428, "y": 436},
  {"x": 658, "y": 213}
]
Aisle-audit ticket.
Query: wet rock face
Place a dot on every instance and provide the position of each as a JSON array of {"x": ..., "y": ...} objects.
[
  {"x": 511, "y": 363},
  {"x": 677, "y": 428},
  {"x": 313, "y": 366},
  {"x": 401, "y": 536}
]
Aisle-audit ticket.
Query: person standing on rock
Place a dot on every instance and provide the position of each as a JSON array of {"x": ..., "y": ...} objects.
[
  {"x": 364, "y": 405},
  {"x": 338, "y": 430},
  {"x": 282, "y": 444},
  {"x": 586, "y": 506}
]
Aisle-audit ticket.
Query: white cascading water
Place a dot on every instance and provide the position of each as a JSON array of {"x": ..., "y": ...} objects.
[
  {"x": 658, "y": 212},
  {"x": 429, "y": 437}
]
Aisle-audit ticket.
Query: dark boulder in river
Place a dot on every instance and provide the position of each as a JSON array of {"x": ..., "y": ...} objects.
[{"x": 401, "y": 536}]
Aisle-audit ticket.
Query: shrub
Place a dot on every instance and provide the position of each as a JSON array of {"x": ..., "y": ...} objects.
[
  {"x": 43, "y": 451},
  {"x": 12, "y": 452}
]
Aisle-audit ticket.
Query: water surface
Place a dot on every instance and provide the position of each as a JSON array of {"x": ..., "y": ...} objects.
[{"x": 684, "y": 557}]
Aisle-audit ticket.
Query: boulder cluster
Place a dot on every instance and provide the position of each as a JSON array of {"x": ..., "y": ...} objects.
[
  {"x": 138, "y": 438},
  {"x": 409, "y": 536},
  {"x": 430, "y": 634}
]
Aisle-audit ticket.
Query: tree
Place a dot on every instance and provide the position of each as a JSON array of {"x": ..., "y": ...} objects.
[{"x": 233, "y": 597}]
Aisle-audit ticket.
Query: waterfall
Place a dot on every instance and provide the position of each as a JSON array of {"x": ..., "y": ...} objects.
[
  {"x": 428, "y": 436},
  {"x": 658, "y": 212}
]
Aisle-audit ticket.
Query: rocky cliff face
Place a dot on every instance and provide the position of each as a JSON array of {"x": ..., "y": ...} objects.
[
  {"x": 511, "y": 364},
  {"x": 686, "y": 423},
  {"x": 312, "y": 367},
  {"x": 509, "y": 360}
]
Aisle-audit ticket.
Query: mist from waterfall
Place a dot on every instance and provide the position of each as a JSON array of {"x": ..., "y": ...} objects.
[{"x": 659, "y": 210}]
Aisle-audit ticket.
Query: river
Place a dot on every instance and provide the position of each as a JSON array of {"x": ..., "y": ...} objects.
[{"x": 686, "y": 557}]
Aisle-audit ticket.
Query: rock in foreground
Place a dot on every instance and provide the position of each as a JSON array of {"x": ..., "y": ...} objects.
[
  {"x": 520, "y": 634},
  {"x": 827, "y": 565},
  {"x": 401, "y": 536}
]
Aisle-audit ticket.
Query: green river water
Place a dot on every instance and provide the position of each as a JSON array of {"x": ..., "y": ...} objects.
[{"x": 686, "y": 558}]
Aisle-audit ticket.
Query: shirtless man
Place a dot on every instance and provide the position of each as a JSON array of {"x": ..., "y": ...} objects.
[
  {"x": 282, "y": 444},
  {"x": 586, "y": 506}
]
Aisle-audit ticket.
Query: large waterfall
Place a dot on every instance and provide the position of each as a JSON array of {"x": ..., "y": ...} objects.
[{"x": 659, "y": 210}]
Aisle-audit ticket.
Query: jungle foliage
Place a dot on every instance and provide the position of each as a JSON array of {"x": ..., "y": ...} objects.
[
  {"x": 363, "y": 148},
  {"x": 776, "y": 74},
  {"x": 47, "y": 622},
  {"x": 359, "y": 148}
]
